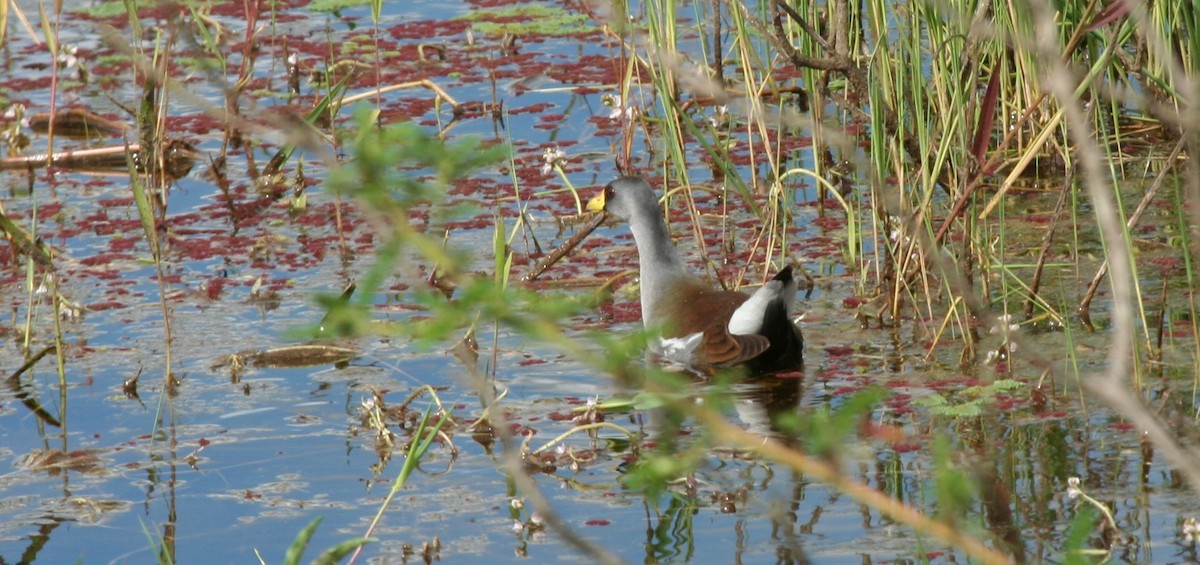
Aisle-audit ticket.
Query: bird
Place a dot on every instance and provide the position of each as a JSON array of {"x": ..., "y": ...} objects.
[{"x": 703, "y": 328}]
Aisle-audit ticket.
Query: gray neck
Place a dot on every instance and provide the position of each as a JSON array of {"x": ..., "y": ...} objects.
[{"x": 657, "y": 259}]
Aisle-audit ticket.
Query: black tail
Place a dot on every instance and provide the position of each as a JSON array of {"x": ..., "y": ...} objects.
[
  {"x": 784, "y": 275},
  {"x": 786, "y": 352}
]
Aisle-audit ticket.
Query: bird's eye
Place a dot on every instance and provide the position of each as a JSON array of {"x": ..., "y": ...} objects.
[{"x": 608, "y": 192}]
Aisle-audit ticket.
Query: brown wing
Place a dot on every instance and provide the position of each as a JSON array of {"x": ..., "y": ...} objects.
[{"x": 694, "y": 307}]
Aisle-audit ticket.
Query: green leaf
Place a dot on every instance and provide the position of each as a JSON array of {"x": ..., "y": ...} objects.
[
  {"x": 337, "y": 552},
  {"x": 335, "y": 5},
  {"x": 296, "y": 550},
  {"x": 526, "y": 19}
]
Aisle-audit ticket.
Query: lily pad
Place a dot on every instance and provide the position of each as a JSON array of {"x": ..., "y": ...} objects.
[{"x": 533, "y": 19}]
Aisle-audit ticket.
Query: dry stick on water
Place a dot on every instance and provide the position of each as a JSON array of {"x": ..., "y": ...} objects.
[
  {"x": 385, "y": 89},
  {"x": 13, "y": 383},
  {"x": 1086, "y": 304},
  {"x": 456, "y": 109},
  {"x": 31, "y": 362},
  {"x": 107, "y": 158},
  {"x": 1035, "y": 282},
  {"x": 77, "y": 122},
  {"x": 1160, "y": 327},
  {"x": 563, "y": 249},
  {"x": 1112, "y": 387}
]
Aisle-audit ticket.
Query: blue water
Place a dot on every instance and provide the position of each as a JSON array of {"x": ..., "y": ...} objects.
[{"x": 227, "y": 468}]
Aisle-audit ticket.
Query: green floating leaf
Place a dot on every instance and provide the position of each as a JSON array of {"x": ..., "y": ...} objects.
[
  {"x": 100, "y": 11},
  {"x": 1008, "y": 384},
  {"x": 611, "y": 405},
  {"x": 930, "y": 401},
  {"x": 335, "y": 5},
  {"x": 528, "y": 19},
  {"x": 974, "y": 398},
  {"x": 336, "y": 553},
  {"x": 640, "y": 401},
  {"x": 966, "y": 410}
]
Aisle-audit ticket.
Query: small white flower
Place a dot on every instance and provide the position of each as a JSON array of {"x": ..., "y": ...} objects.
[
  {"x": 618, "y": 110},
  {"x": 1073, "y": 488},
  {"x": 1004, "y": 323},
  {"x": 518, "y": 527},
  {"x": 1190, "y": 530},
  {"x": 896, "y": 234},
  {"x": 71, "y": 310},
  {"x": 561, "y": 449},
  {"x": 535, "y": 519},
  {"x": 720, "y": 114},
  {"x": 66, "y": 56},
  {"x": 553, "y": 156},
  {"x": 516, "y": 504}
]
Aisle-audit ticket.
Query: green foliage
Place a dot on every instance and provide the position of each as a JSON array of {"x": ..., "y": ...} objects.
[
  {"x": 336, "y": 553},
  {"x": 643, "y": 400},
  {"x": 422, "y": 439},
  {"x": 157, "y": 545},
  {"x": 969, "y": 402},
  {"x": 1076, "y": 550},
  {"x": 295, "y": 551},
  {"x": 337, "y": 5},
  {"x": 825, "y": 431},
  {"x": 208, "y": 29},
  {"x": 388, "y": 160},
  {"x": 955, "y": 487},
  {"x": 526, "y": 19},
  {"x": 652, "y": 474},
  {"x": 102, "y": 9}
]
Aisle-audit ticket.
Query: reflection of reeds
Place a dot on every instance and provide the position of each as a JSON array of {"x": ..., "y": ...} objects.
[{"x": 76, "y": 122}]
